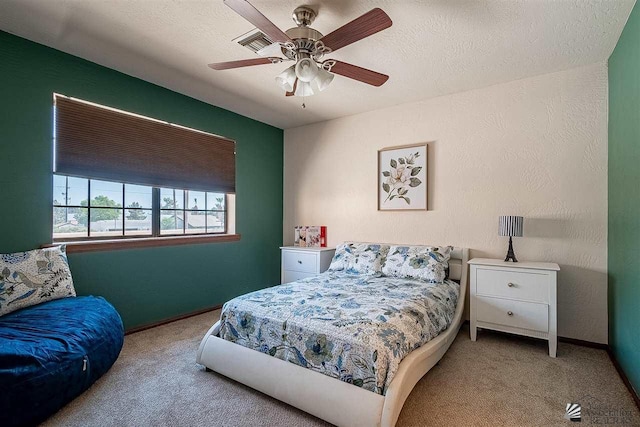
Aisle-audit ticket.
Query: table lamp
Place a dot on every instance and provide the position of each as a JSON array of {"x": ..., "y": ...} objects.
[{"x": 510, "y": 226}]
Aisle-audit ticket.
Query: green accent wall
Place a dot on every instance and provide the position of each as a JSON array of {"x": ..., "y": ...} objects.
[
  {"x": 145, "y": 285},
  {"x": 624, "y": 199}
]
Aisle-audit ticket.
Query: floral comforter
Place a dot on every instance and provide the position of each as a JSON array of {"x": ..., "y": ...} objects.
[{"x": 356, "y": 328}]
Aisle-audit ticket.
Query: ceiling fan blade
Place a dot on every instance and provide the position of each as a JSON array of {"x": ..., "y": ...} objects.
[
  {"x": 370, "y": 23},
  {"x": 293, "y": 91},
  {"x": 243, "y": 63},
  {"x": 358, "y": 73},
  {"x": 253, "y": 15}
]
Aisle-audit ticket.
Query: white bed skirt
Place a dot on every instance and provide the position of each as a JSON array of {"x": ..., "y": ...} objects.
[{"x": 325, "y": 397}]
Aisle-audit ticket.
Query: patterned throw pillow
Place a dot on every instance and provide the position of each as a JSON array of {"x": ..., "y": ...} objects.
[
  {"x": 427, "y": 263},
  {"x": 29, "y": 278},
  {"x": 359, "y": 258}
]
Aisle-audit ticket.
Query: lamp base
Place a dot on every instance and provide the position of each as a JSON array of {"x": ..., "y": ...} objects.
[{"x": 511, "y": 256}]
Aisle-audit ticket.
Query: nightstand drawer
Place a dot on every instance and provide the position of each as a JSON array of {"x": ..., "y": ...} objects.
[
  {"x": 527, "y": 286},
  {"x": 518, "y": 314},
  {"x": 300, "y": 261},
  {"x": 292, "y": 276}
]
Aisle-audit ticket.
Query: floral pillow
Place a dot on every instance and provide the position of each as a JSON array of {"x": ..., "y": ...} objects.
[
  {"x": 359, "y": 258},
  {"x": 29, "y": 278},
  {"x": 429, "y": 263}
]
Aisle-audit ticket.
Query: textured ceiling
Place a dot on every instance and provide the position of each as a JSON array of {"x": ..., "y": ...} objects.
[{"x": 434, "y": 47}]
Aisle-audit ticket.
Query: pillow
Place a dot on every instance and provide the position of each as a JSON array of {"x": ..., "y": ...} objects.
[
  {"x": 29, "y": 278},
  {"x": 359, "y": 258},
  {"x": 427, "y": 263}
]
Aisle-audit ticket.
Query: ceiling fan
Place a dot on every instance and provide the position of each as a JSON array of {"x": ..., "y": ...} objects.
[{"x": 307, "y": 47}]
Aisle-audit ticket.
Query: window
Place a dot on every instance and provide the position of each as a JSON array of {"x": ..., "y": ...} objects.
[
  {"x": 94, "y": 209},
  {"x": 191, "y": 212},
  {"x": 119, "y": 175}
]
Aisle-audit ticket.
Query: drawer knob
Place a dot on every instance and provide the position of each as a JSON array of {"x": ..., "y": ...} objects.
[
  {"x": 511, "y": 285},
  {"x": 510, "y": 313},
  {"x": 299, "y": 262}
]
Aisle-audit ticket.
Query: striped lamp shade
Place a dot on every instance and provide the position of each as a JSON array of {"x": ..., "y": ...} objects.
[{"x": 510, "y": 226}]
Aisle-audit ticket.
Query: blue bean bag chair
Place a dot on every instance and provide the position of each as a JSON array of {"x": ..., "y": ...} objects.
[{"x": 51, "y": 352}]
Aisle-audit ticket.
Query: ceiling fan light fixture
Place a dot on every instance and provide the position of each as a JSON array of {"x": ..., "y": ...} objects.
[
  {"x": 323, "y": 79},
  {"x": 286, "y": 79},
  {"x": 304, "y": 89},
  {"x": 306, "y": 70}
]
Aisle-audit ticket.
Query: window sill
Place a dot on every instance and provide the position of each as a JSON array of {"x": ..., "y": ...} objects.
[{"x": 137, "y": 243}]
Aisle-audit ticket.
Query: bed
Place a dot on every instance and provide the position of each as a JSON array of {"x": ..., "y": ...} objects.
[{"x": 275, "y": 341}]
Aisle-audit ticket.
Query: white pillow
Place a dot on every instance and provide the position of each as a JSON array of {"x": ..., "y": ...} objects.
[
  {"x": 427, "y": 263},
  {"x": 359, "y": 258},
  {"x": 29, "y": 278}
]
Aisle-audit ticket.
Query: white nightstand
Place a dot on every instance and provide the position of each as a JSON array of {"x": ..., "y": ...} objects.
[
  {"x": 298, "y": 263},
  {"x": 515, "y": 297}
]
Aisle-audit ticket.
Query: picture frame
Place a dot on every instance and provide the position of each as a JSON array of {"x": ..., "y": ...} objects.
[
  {"x": 313, "y": 236},
  {"x": 302, "y": 241},
  {"x": 296, "y": 236},
  {"x": 310, "y": 236},
  {"x": 402, "y": 178}
]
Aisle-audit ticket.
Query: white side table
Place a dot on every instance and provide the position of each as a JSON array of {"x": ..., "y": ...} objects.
[
  {"x": 519, "y": 298},
  {"x": 298, "y": 263}
]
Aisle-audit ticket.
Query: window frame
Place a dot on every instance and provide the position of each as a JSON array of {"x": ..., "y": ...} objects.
[{"x": 155, "y": 234}]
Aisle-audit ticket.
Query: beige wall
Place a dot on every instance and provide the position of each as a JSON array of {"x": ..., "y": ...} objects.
[{"x": 535, "y": 147}]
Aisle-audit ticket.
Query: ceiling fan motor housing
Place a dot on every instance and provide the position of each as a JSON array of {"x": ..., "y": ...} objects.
[
  {"x": 304, "y": 40},
  {"x": 307, "y": 33},
  {"x": 303, "y": 16}
]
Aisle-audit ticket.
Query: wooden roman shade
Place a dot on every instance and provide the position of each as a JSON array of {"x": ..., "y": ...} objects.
[{"x": 103, "y": 143}]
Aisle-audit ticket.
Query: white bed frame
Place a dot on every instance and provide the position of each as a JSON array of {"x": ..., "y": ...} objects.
[{"x": 325, "y": 397}]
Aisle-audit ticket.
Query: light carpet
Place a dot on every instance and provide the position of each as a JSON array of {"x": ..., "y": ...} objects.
[{"x": 499, "y": 380}]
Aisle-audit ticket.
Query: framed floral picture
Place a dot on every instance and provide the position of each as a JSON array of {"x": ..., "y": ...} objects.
[{"x": 402, "y": 178}]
